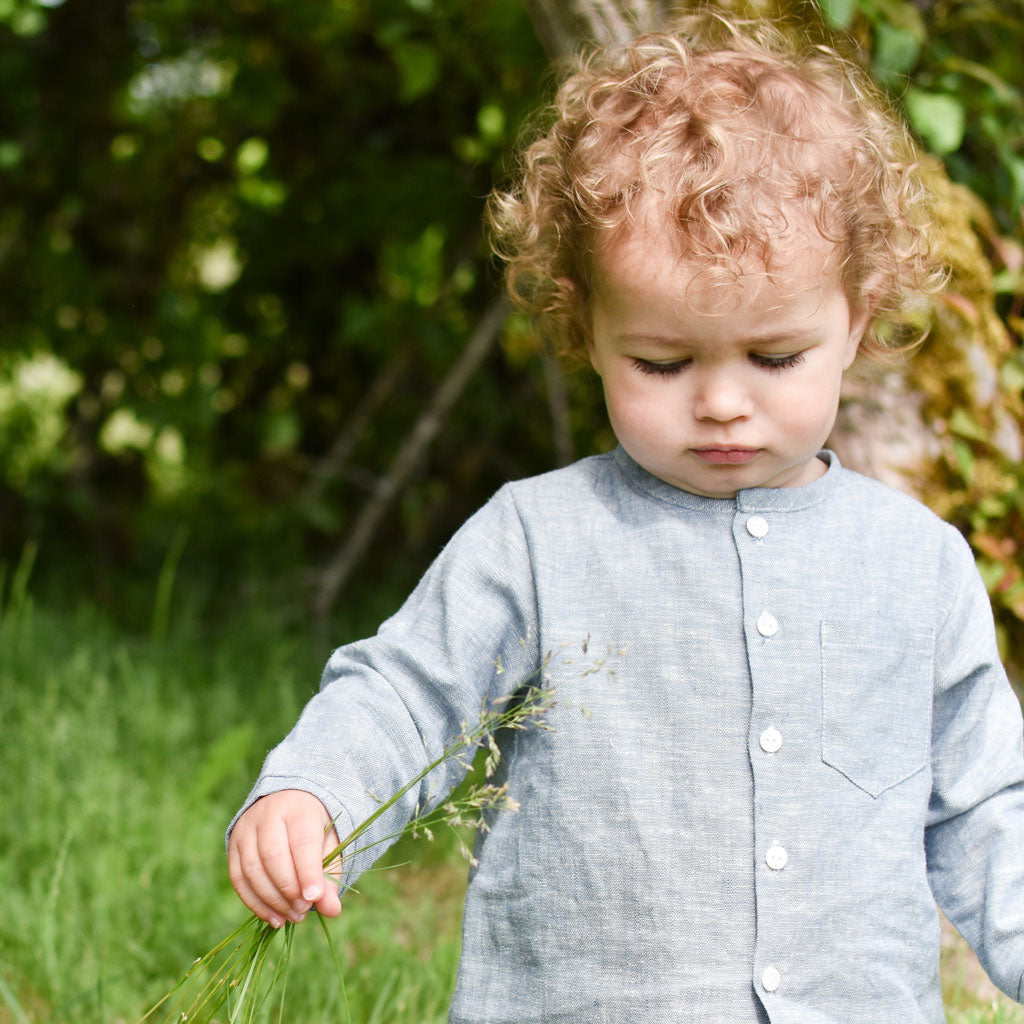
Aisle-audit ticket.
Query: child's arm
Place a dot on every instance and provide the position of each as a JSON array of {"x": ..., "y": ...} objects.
[
  {"x": 390, "y": 704},
  {"x": 975, "y": 835},
  {"x": 275, "y": 857}
]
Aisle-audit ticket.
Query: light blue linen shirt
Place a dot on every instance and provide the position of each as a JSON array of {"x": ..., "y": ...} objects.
[{"x": 782, "y": 733}]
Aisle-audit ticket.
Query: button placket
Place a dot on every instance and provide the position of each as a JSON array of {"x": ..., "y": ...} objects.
[{"x": 757, "y": 553}]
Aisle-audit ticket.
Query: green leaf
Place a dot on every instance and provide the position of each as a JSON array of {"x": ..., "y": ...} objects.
[
  {"x": 490, "y": 122},
  {"x": 419, "y": 67},
  {"x": 963, "y": 424},
  {"x": 898, "y": 14},
  {"x": 964, "y": 459},
  {"x": 991, "y": 573},
  {"x": 252, "y": 155},
  {"x": 281, "y": 432},
  {"x": 938, "y": 118},
  {"x": 11, "y": 153},
  {"x": 1015, "y": 169},
  {"x": 1011, "y": 374},
  {"x": 260, "y": 192},
  {"x": 896, "y": 51},
  {"x": 1006, "y": 282},
  {"x": 839, "y": 13},
  {"x": 992, "y": 506}
]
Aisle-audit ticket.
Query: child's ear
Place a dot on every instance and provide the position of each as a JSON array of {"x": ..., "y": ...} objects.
[
  {"x": 574, "y": 294},
  {"x": 862, "y": 309},
  {"x": 589, "y": 340}
]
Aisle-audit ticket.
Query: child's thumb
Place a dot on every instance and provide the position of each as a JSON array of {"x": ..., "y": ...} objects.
[{"x": 329, "y": 903}]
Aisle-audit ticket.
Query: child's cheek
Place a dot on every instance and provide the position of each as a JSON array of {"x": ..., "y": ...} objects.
[{"x": 811, "y": 408}]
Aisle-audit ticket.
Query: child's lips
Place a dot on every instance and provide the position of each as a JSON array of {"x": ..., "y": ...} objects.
[{"x": 724, "y": 455}]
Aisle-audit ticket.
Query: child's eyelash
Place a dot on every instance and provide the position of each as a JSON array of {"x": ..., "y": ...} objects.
[
  {"x": 660, "y": 369},
  {"x": 777, "y": 362},
  {"x": 773, "y": 363}
]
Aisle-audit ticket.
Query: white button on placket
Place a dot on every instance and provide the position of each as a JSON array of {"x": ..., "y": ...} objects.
[
  {"x": 776, "y": 858},
  {"x": 767, "y": 624},
  {"x": 771, "y": 740},
  {"x": 757, "y": 526},
  {"x": 770, "y": 979}
]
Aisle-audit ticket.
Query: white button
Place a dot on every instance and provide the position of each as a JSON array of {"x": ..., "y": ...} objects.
[
  {"x": 776, "y": 858},
  {"x": 757, "y": 526},
  {"x": 771, "y": 979},
  {"x": 767, "y": 624},
  {"x": 771, "y": 740}
]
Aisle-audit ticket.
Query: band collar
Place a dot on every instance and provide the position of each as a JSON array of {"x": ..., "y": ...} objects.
[{"x": 752, "y": 499}]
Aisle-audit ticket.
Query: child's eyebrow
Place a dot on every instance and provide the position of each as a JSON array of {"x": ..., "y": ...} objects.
[{"x": 796, "y": 334}]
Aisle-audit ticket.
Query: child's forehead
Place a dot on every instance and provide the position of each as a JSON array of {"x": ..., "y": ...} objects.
[{"x": 651, "y": 251}]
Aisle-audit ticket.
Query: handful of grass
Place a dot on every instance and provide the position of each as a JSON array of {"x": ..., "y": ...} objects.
[{"x": 238, "y": 982}]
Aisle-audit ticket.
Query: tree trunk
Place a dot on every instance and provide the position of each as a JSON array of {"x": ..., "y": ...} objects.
[{"x": 563, "y": 25}]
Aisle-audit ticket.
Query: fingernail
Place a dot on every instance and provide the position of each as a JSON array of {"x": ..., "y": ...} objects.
[
  {"x": 275, "y": 921},
  {"x": 300, "y": 906},
  {"x": 296, "y": 918},
  {"x": 312, "y": 893}
]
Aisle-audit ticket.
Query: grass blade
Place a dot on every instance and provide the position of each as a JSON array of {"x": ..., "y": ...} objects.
[
  {"x": 19, "y": 1015},
  {"x": 337, "y": 966},
  {"x": 235, "y": 974}
]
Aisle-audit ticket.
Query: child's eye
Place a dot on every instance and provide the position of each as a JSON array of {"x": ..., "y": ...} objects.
[
  {"x": 777, "y": 362},
  {"x": 661, "y": 369}
]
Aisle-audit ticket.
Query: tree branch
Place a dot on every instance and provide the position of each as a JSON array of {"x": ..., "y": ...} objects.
[
  {"x": 427, "y": 426},
  {"x": 332, "y": 465}
]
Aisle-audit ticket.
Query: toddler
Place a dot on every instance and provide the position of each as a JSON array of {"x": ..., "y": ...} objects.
[{"x": 782, "y": 730}]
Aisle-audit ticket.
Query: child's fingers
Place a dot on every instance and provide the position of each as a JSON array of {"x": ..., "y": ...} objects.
[
  {"x": 247, "y": 894},
  {"x": 275, "y": 857},
  {"x": 267, "y": 866}
]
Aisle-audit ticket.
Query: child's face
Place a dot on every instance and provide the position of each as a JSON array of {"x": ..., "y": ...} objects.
[{"x": 718, "y": 389}]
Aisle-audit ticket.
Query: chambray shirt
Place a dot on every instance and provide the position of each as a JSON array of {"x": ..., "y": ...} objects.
[{"x": 782, "y": 734}]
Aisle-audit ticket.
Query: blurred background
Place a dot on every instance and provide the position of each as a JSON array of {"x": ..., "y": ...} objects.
[
  {"x": 240, "y": 249},
  {"x": 255, "y": 369},
  {"x": 241, "y": 256}
]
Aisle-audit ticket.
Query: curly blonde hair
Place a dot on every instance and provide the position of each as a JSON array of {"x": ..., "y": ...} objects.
[{"x": 738, "y": 133}]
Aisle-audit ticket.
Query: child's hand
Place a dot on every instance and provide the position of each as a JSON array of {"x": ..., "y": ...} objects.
[{"x": 275, "y": 857}]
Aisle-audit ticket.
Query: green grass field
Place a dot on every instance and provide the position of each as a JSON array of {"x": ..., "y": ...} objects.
[{"x": 123, "y": 758}]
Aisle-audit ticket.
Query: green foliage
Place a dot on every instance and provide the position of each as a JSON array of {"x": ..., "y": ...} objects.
[
  {"x": 34, "y": 393},
  {"x": 222, "y": 223},
  {"x": 130, "y": 759},
  {"x": 954, "y": 68},
  {"x": 219, "y": 222}
]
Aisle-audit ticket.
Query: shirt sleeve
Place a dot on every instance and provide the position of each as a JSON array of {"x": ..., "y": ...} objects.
[
  {"x": 974, "y": 840},
  {"x": 389, "y": 704}
]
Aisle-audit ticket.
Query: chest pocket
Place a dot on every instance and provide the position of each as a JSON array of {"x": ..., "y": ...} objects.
[{"x": 876, "y": 700}]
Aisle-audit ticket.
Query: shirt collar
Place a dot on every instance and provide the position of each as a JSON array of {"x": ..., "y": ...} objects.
[{"x": 753, "y": 499}]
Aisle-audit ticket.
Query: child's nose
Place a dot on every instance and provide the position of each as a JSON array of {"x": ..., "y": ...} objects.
[{"x": 721, "y": 395}]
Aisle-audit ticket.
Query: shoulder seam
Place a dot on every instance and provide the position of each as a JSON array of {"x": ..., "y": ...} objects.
[{"x": 533, "y": 570}]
